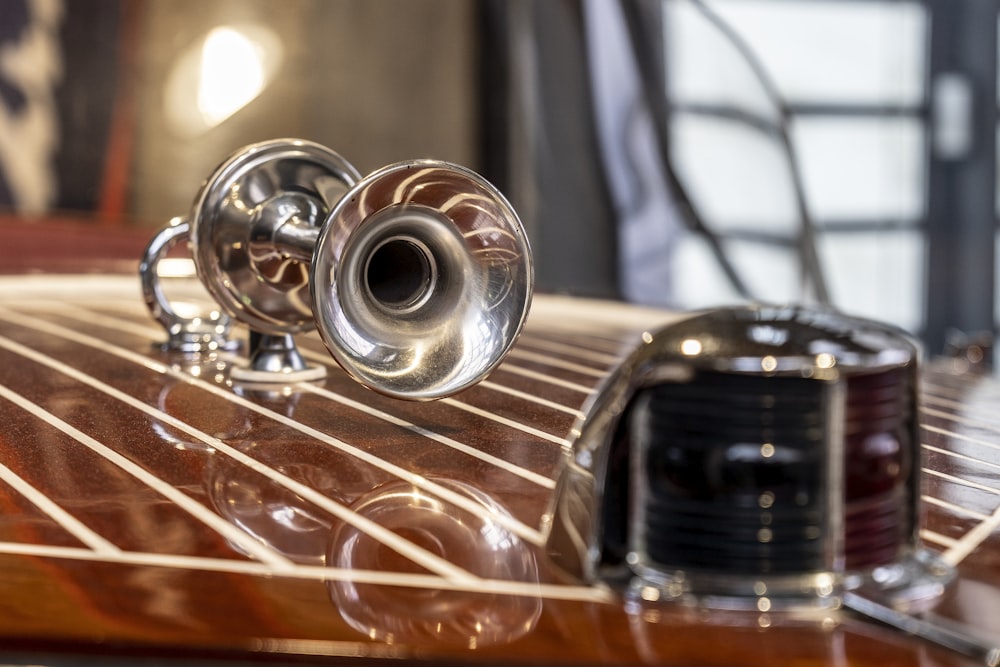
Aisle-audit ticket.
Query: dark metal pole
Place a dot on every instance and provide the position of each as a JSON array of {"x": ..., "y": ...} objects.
[{"x": 961, "y": 204}]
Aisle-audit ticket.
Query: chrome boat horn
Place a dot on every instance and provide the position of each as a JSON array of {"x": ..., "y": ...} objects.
[{"x": 417, "y": 277}]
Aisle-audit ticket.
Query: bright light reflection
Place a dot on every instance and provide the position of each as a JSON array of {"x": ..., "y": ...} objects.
[
  {"x": 232, "y": 74},
  {"x": 176, "y": 267},
  {"x": 825, "y": 360},
  {"x": 220, "y": 75},
  {"x": 691, "y": 347}
]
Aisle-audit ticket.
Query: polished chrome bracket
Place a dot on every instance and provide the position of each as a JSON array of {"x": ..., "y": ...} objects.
[{"x": 190, "y": 333}]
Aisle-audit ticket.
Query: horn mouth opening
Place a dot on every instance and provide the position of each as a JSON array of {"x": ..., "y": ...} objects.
[
  {"x": 403, "y": 273},
  {"x": 400, "y": 275}
]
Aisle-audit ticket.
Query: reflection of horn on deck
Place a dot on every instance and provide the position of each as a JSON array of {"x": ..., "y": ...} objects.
[{"x": 476, "y": 546}]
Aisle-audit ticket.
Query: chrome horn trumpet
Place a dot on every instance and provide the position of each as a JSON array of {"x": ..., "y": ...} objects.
[{"x": 417, "y": 277}]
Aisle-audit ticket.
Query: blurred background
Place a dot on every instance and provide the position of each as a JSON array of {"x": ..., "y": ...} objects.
[{"x": 683, "y": 153}]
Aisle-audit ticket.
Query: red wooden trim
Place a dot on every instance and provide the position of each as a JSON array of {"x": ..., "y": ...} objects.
[
  {"x": 63, "y": 245},
  {"x": 121, "y": 135}
]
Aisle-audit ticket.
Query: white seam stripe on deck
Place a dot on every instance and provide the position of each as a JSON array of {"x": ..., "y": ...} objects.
[
  {"x": 315, "y": 572},
  {"x": 185, "y": 502},
  {"x": 67, "y": 521},
  {"x": 528, "y": 533},
  {"x": 383, "y": 535}
]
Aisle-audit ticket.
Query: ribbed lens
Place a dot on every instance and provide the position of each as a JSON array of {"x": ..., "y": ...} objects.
[
  {"x": 878, "y": 516},
  {"x": 736, "y": 471},
  {"x": 734, "y": 468}
]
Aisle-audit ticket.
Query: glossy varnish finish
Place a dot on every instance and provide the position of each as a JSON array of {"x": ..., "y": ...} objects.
[{"x": 150, "y": 506}]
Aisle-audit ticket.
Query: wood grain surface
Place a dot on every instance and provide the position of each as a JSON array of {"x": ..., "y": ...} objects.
[{"x": 149, "y": 506}]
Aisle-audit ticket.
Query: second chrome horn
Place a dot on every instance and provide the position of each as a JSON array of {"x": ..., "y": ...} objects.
[{"x": 417, "y": 277}]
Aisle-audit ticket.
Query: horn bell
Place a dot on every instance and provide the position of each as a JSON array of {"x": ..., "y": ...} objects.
[
  {"x": 422, "y": 279},
  {"x": 247, "y": 275}
]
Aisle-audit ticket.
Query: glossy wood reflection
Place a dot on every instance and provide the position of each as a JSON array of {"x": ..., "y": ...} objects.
[{"x": 152, "y": 507}]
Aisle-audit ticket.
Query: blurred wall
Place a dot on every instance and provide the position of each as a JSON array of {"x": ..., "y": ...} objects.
[
  {"x": 116, "y": 110},
  {"x": 378, "y": 81}
]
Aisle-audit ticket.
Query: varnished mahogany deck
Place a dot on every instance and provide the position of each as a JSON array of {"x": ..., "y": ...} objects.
[{"x": 150, "y": 507}]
